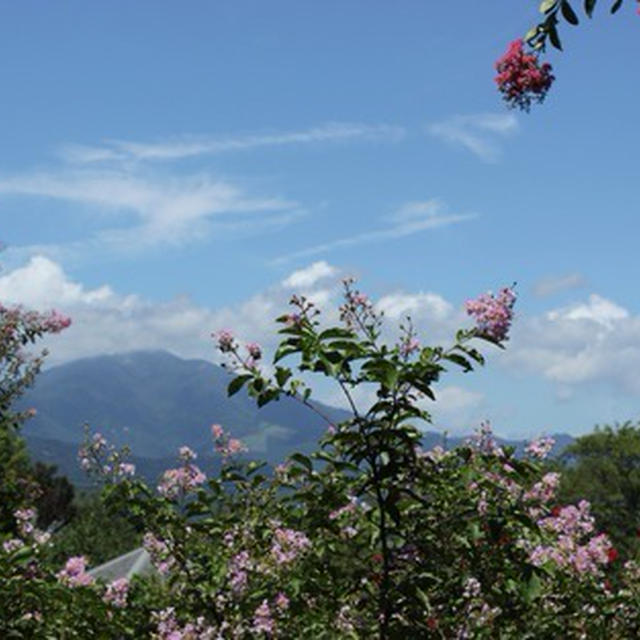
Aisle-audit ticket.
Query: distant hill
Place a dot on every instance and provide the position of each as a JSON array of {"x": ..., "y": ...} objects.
[{"x": 155, "y": 402}]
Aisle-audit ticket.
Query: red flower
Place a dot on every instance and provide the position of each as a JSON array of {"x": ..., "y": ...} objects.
[
  {"x": 432, "y": 623},
  {"x": 521, "y": 78},
  {"x": 612, "y": 554}
]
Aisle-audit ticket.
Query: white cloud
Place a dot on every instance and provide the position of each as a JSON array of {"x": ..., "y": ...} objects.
[
  {"x": 456, "y": 409},
  {"x": 478, "y": 133},
  {"x": 43, "y": 283},
  {"x": 593, "y": 342},
  {"x": 105, "y": 321},
  {"x": 308, "y": 276},
  {"x": 411, "y": 218},
  {"x": 552, "y": 285},
  {"x": 177, "y": 148},
  {"x": 423, "y": 306},
  {"x": 158, "y": 209},
  {"x": 598, "y": 310}
]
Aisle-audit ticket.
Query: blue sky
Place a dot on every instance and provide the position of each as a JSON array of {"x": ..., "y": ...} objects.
[{"x": 169, "y": 170}]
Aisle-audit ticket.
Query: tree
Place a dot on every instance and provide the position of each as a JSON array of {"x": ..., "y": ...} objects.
[
  {"x": 604, "y": 468},
  {"x": 18, "y": 369}
]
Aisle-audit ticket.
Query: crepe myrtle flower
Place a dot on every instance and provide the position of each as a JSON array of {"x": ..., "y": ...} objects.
[{"x": 521, "y": 78}]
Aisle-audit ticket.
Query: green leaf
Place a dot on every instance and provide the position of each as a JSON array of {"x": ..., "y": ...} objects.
[
  {"x": 568, "y": 13},
  {"x": 282, "y": 375},
  {"x": 547, "y": 5},
  {"x": 554, "y": 37},
  {"x": 303, "y": 460},
  {"x": 589, "y": 6},
  {"x": 284, "y": 350},
  {"x": 532, "y": 589},
  {"x": 236, "y": 384},
  {"x": 616, "y": 5}
]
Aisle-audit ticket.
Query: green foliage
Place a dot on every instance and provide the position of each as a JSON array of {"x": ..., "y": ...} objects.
[
  {"x": 604, "y": 468},
  {"x": 94, "y": 532},
  {"x": 370, "y": 536},
  {"x": 553, "y": 10}
]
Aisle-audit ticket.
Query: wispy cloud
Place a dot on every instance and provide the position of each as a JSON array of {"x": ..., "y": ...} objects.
[
  {"x": 185, "y": 147},
  {"x": 556, "y": 284},
  {"x": 478, "y": 133},
  {"x": 160, "y": 209},
  {"x": 413, "y": 217}
]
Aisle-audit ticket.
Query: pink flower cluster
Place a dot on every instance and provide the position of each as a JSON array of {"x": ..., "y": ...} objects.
[
  {"x": 545, "y": 490},
  {"x": 408, "y": 346},
  {"x": 116, "y": 593},
  {"x": 484, "y": 440},
  {"x": 238, "y": 567},
  {"x": 225, "y": 445},
  {"x": 521, "y": 78},
  {"x": 55, "y": 322},
  {"x": 226, "y": 341},
  {"x": 159, "y": 552},
  {"x": 493, "y": 314},
  {"x": 75, "y": 573},
  {"x": 168, "y": 628},
  {"x": 32, "y": 321},
  {"x": 571, "y": 524},
  {"x": 288, "y": 545},
  {"x": 25, "y": 520},
  {"x": 262, "y": 620},
  {"x": 540, "y": 448},
  {"x": 182, "y": 480}
]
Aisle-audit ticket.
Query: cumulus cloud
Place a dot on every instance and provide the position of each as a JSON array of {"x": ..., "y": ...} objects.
[
  {"x": 105, "y": 321},
  {"x": 479, "y": 133},
  {"x": 457, "y": 410},
  {"x": 420, "y": 306},
  {"x": 310, "y": 275},
  {"x": 591, "y": 342}
]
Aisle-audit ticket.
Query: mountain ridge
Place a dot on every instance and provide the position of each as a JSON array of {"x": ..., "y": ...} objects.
[{"x": 154, "y": 402}]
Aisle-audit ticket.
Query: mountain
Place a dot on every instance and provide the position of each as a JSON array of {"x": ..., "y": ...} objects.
[{"x": 156, "y": 402}]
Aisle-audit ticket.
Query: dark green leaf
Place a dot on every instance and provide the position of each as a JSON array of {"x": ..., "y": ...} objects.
[
  {"x": 589, "y": 6},
  {"x": 236, "y": 384},
  {"x": 554, "y": 37},
  {"x": 303, "y": 460},
  {"x": 616, "y": 5},
  {"x": 568, "y": 13}
]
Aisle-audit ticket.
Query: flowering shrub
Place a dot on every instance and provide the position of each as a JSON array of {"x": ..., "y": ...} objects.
[{"x": 371, "y": 536}]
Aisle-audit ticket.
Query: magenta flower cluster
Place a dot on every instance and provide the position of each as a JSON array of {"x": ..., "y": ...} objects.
[
  {"x": 521, "y": 78},
  {"x": 493, "y": 314}
]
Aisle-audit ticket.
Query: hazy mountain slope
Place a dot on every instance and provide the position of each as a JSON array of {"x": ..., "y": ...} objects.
[{"x": 155, "y": 402}]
